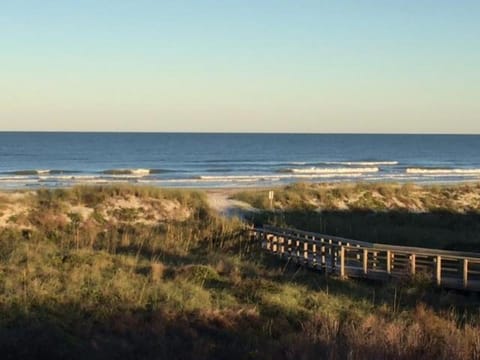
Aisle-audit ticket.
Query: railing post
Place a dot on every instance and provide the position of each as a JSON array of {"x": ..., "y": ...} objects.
[
  {"x": 389, "y": 262},
  {"x": 331, "y": 252},
  {"x": 465, "y": 273},
  {"x": 412, "y": 264},
  {"x": 305, "y": 251},
  {"x": 274, "y": 243},
  {"x": 297, "y": 248},
  {"x": 281, "y": 242},
  {"x": 439, "y": 270},
  {"x": 337, "y": 253},
  {"x": 314, "y": 254},
  {"x": 342, "y": 262},
  {"x": 323, "y": 260},
  {"x": 365, "y": 261},
  {"x": 332, "y": 257}
]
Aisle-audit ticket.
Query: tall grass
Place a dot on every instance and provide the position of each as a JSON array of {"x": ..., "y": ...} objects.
[
  {"x": 461, "y": 198},
  {"x": 446, "y": 217},
  {"x": 197, "y": 287}
]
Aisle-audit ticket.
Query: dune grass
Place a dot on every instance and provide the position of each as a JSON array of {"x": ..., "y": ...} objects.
[
  {"x": 376, "y": 197},
  {"x": 198, "y": 287},
  {"x": 446, "y": 217}
]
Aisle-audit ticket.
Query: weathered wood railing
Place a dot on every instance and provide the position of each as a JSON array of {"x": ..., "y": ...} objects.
[{"x": 353, "y": 258}]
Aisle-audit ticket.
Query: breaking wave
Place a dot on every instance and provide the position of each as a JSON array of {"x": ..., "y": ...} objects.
[
  {"x": 33, "y": 172},
  {"x": 138, "y": 172},
  {"x": 270, "y": 177},
  {"x": 135, "y": 172},
  {"x": 438, "y": 171},
  {"x": 362, "y": 163},
  {"x": 314, "y": 170}
]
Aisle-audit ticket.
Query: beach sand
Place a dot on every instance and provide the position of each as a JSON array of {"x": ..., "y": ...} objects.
[{"x": 220, "y": 200}]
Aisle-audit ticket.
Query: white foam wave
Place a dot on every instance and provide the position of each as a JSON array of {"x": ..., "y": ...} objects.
[
  {"x": 270, "y": 177},
  {"x": 17, "y": 180},
  {"x": 136, "y": 172},
  {"x": 363, "y": 163},
  {"x": 314, "y": 170},
  {"x": 56, "y": 177},
  {"x": 445, "y": 172}
]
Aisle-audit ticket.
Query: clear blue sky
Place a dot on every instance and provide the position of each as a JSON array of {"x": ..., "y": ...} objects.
[{"x": 275, "y": 66}]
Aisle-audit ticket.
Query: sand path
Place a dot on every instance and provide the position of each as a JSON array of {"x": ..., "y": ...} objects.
[{"x": 220, "y": 201}]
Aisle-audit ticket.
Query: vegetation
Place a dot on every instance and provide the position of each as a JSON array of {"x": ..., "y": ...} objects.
[
  {"x": 130, "y": 272},
  {"x": 378, "y": 197},
  {"x": 446, "y": 217}
]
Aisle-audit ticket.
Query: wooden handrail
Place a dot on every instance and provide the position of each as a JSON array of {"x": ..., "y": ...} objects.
[
  {"x": 353, "y": 258},
  {"x": 380, "y": 246}
]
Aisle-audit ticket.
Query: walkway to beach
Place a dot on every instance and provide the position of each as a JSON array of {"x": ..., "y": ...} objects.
[
  {"x": 220, "y": 201},
  {"x": 357, "y": 259}
]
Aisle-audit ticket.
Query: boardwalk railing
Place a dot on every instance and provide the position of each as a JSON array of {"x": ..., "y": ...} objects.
[{"x": 358, "y": 259}]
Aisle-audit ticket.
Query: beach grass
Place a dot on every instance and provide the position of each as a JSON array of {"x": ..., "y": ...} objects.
[
  {"x": 166, "y": 277},
  {"x": 446, "y": 217}
]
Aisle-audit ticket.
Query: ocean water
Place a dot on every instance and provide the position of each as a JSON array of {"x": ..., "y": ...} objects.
[{"x": 32, "y": 160}]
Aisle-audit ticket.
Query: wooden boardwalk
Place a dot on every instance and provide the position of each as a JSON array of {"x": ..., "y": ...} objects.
[{"x": 357, "y": 259}]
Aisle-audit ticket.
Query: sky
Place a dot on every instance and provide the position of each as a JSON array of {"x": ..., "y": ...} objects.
[{"x": 404, "y": 66}]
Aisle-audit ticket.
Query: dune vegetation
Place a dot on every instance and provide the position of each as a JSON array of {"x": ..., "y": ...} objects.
[
  {"x": 143, "y": 273},
  {"x": 446, "y": 217},
  {"x": 378, "y": 197}
]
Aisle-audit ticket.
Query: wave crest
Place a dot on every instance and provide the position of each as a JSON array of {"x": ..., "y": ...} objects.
[
  {"x": 439, "y": 171},
  {"x": 363, "y": 163},
  {"x": 314, "y": 170},
  {"x": 138, "y": 172}
]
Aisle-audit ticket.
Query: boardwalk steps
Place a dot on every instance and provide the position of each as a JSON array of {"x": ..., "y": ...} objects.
[{"x": 357, "y": 259}]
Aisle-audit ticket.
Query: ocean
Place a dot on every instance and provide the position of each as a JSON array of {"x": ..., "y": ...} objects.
[{"x": 33, "y": 160}]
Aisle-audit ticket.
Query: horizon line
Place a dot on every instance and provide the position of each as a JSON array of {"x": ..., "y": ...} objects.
[{"x": 230, "y": 132}]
